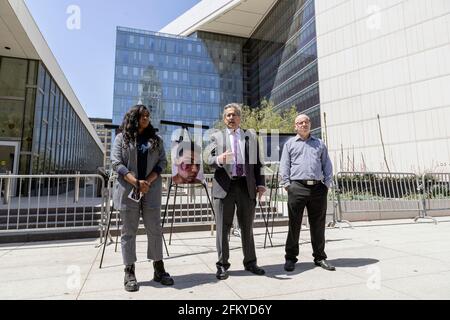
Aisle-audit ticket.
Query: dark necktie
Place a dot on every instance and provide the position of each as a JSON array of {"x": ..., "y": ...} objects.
[{"x": 239, "y": 166}]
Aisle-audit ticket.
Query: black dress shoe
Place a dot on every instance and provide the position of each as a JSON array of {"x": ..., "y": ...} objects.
[
  {"x": 289, "y": 265},
  {"x": 253, "y": 268},
  {"x": 325, "y": 265},
  {"x": 221, "y": 273}
]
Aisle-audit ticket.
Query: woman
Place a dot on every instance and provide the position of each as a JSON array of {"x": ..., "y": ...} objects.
[{"x": 138, "y": 157}]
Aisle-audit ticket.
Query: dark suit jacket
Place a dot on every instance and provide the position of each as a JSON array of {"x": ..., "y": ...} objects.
[{"x": 220, "y": 142}]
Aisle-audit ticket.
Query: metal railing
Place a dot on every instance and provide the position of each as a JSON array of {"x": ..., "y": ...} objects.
[
  {"x": 44, "y": 202},
  {"x": 436, "y": 193},
  {"x": 278, "y": 198},
  {"x": 393, "y": 193},
  {"x": 191, "y": 206},
  {"x": 379, "y": 191},
  {"x": 188, "y": 204},
  {"x": 84, "y": 202}
]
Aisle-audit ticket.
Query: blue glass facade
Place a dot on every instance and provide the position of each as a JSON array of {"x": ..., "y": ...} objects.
[
  {"x": 36, "y": 114},
  {"x": 189, "y": 79},
  {"x": 281, "y": 60},
  {"x": 184, "y": 79},
  {"x": 61, "y": 142}
]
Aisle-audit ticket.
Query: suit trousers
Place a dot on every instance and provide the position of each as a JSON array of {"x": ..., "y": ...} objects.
[
  {"x": 130, "y": 223},
  {"x": 314, "y": 198},
  {"x": 237, "y": 199}
]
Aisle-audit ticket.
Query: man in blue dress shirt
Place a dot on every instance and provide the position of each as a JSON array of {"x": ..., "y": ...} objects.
[{"x": 306, "y": 174}]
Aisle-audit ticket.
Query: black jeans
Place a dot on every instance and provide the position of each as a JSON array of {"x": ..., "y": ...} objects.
[{"x": 314, "y": 198}]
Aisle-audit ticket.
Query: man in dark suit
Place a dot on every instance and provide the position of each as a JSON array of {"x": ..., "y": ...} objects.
[{"x": 237, "y": 182}]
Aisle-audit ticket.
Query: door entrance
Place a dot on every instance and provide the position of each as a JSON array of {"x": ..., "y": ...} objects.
[{"x": 9, "y": 160}]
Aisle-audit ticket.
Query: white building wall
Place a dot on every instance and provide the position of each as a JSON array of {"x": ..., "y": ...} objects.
[{"x": 389, "y": 58}]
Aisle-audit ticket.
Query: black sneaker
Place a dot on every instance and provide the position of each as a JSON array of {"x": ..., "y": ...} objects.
[{"x": 130, "y": 281}]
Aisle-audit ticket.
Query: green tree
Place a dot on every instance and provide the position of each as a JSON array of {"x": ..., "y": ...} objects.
[
  {"x": 265, "y": 117},
  {"x": 288, "y": 123}
]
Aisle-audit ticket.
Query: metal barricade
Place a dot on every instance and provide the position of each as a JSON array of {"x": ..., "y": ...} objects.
[
  {"x": 191, "y": 206},
  {"x": 109, "y": 210},
  {"x": 50, "y": 202},
  {"x": 187, "y": 204},
  {"x": 391, "y": 195},
  {"x": 278, "y": 204},
  {"x": 378, "y": 192},
  {"x": 436, "y": 194},
  {"x": 84, "y": 202},
  {"x": 337, "y": 221},
  {"x": 277, "y": 196}
]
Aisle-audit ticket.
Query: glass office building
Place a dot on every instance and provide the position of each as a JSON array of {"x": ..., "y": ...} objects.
[
  {"x": 105, "y": 132},
  {"x": 281, "y": 60},
  {"x": 352, "y": 63},
  {"x": 40, "y": 132},
  {"x": 192, "y": 78},
  {"x": 183, "y": 79}
]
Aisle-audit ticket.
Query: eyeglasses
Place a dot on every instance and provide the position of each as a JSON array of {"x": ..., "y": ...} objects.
[{"x": 135, "y": 195}]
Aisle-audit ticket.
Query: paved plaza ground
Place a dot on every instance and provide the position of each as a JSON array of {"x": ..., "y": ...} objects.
[{"x": 396, "y": 259}]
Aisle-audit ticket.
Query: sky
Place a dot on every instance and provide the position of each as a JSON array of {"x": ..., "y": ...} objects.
[{"x": 82, "y": 36}]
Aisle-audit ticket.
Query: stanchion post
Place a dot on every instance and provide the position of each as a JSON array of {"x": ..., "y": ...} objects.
[
  {"x": 77, "y": 187},
  {"x": 422, "y": 190},
  {"x": 7, "y": 196}
]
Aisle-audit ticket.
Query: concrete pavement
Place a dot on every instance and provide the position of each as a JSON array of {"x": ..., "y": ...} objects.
[{"x": 376, "y": 260}]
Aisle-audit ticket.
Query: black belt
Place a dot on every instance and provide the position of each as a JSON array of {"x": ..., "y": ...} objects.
[
  {"x": 309, "y": 182},
  {"x": 237, "y": 178}
]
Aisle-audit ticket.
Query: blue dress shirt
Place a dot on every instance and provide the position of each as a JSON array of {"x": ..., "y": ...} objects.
[{"x": 305, "y": 160}]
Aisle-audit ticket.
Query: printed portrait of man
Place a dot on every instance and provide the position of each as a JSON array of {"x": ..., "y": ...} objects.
[{"x": 187, "y": 163}]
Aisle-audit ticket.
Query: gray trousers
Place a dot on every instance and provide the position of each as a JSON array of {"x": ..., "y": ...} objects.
[
  {"x": 130, "y": 224},
  {"x": 237, "y": 198}
]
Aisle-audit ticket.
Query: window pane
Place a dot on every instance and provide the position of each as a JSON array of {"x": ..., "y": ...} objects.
[
  {"x": 13, "y": 77},
  {"x": 11, "y": 119}
]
